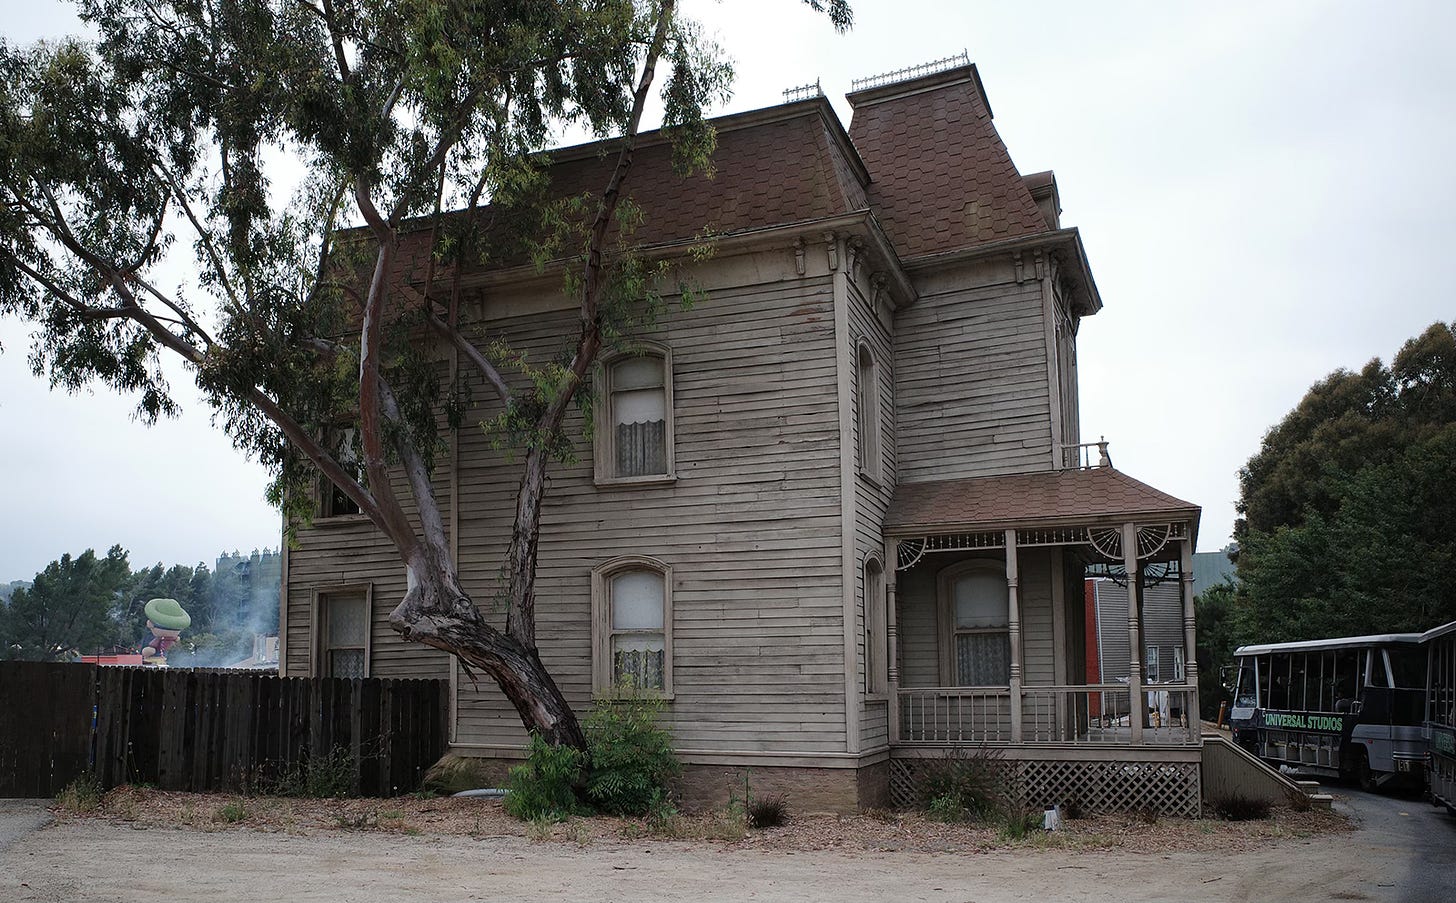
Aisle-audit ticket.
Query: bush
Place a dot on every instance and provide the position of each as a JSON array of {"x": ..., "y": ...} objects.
[
  {"x": 330, "y": 776},
  {"x": 631, "y": 763},
  {"x": 1236, "y": 807},
  {"x": 81, "y": 795},
  {"x": 963, "y": 786},
  {"x": 767, "y": 812},
  {"x": 232, "y": 813},
  {"x": 543, "y": 788},
  {"x": 1017, "y": 823},
  {"x": 947, "y": 807}
]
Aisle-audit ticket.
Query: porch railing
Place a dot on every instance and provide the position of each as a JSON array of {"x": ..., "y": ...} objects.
[
  {"x": 1076, "y": 715},
  {"x": 955, "y": 715}
]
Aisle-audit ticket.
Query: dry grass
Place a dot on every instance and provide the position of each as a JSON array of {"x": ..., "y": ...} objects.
[{"x": 881, "y": 831}]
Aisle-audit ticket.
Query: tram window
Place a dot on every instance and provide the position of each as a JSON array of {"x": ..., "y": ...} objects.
[
  {"x": 1327, "y": 682},
  {"x": 1279, "y": 682},
  {"x": 1347, "y": 663},
  {"x": 1409, "y": 668},
  {"x": 1244, "y": 696},
  {"x": 1262, "y": 679},
  {"x": 1297, "y": 685}
]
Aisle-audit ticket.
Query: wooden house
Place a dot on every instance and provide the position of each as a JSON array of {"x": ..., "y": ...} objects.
[{"x": 840, "y": 513}]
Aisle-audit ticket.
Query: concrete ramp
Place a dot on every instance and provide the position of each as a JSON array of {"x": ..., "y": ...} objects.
[{"x": 1230, "y": 770}]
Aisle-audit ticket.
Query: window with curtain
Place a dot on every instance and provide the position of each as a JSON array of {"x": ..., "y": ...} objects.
[
  {"x": 637, "y": 402},
  {"x": 632, "y": 626},
  {"x": 981, "y": 628},
  {"x": 345, "y": 634}
]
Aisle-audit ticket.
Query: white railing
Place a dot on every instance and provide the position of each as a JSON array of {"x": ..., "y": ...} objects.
[
  {"x": 1080, "y": 456},
  {"x": 1103, "y": 714},
  {"x": 1100, "y": 714},
  {"x": 955, "y": 715}
]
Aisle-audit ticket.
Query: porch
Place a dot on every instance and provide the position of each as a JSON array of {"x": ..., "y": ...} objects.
[{"x": 1048, "y": 617}]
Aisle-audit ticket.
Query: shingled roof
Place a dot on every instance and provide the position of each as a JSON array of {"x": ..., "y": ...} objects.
[
  {"x": 1027, "y": 499},
  {"x": 775, "y": 166},
  {"x": 941, "y": 178}
]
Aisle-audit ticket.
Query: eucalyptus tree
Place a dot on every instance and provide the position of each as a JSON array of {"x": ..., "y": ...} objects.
[{"x": 172, "y": 131}]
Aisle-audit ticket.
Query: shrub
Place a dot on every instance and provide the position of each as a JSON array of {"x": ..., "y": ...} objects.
[
  {"x": 81, "y": 795},
  {"x": 1016, "y": 823},
  {"x": 329, "y": 776},
  {"x": 1236, "y": 807},
  {"x": 767, "y": 812},
  {"x": 543, "y": 788},
  {"x": 631, "y": 761},
  {"x": 948, "y": 808},
  {"x": 965, "y": 785},
  {"x": 232, "y": 813}
]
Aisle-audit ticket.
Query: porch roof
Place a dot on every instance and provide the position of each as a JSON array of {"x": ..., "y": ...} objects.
[{"x": 1097, "y": 494}]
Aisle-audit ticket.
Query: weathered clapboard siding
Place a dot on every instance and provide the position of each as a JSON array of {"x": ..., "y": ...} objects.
[
  {"x": 1162, "y": 626},
  {"x": 1038, "y": 651},
  {"x": 750, "y": 528},
  {"x": 872, "y": 496},
  {"x": 350, "y": 552},
  {"x": 971, "y": 389}
]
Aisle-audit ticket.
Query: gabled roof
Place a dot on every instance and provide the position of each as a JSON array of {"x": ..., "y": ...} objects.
[
  {"x": 1027, "y": 499},
  {"x": 942, "y": 178}
]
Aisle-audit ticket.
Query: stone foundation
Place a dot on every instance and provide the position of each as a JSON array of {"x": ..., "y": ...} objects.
[{"x": 805, "y": 789}]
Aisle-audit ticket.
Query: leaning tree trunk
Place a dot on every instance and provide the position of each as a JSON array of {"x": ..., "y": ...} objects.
[{"x": 436, "y": 611}]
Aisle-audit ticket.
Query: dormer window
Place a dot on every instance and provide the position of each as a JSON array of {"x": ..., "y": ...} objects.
[{"x": 634, "y": 422}]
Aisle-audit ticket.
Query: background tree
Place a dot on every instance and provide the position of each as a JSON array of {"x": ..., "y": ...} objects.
[
  {"x": 68, "y": 609},
  {"x": 168, "y": 129},
  {"x": 1346, "y": 510}
]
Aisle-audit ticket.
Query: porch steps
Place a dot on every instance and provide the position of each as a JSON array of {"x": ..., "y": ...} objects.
[
  {"x": 1230, "y": 770},
  {"x": 1317, "y": 799}
]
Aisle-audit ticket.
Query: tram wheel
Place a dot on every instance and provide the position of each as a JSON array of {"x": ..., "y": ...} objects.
[{"x": 1363, "y": 772}]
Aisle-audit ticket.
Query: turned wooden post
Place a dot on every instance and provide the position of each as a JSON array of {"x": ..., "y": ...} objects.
[
  {"x": 1190, "y": 638},
  {"x": 892, "y": 636},
  {"x": 1136, "y": 703},
  {"x": 1013, "y": 617}
]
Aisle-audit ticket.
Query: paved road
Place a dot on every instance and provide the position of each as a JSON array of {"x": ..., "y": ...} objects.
[{"x": 1417, "y": 839}]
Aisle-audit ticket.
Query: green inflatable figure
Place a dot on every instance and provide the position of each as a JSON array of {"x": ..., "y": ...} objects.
[{"x": 166, "y": 620}]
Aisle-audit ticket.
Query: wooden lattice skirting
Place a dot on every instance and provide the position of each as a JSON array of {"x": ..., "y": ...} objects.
[{"x": 1167, "y": 788}]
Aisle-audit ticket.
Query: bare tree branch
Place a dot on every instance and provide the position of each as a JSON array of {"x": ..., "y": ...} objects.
[{"x": 472, "y": 354}]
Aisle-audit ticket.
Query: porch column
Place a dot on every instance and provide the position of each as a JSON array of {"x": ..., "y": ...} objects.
[
  {"x": 1136, "y": 703},
  {"x": 1013, "y": 618},
  {"x": 1190, "y": 637},
  {"x": 892, "y": 637}
]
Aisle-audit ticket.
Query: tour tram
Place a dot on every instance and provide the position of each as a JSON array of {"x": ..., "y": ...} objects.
[
  {"x": 1351, "y": 706},
  {"x": 1440, "y": 643}
]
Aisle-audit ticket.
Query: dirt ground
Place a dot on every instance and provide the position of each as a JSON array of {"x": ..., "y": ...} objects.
[{"x": 149, "y": 845}]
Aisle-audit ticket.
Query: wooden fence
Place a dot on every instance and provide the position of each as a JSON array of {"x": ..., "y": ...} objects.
[{"x": 201, "y": 730}]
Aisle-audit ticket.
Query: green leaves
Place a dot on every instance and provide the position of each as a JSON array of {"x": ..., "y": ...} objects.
[{"x": 1348, "y": 503}]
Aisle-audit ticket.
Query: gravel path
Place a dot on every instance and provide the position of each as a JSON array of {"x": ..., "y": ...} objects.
[{"x": 95, "y": 859}]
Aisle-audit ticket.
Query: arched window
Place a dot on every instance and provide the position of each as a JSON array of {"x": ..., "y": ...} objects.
[
  {"x": 632, "y": 626},
  {"x": 634, "y": 418},
  {"x": 867, "y": 392},
  {"x": 976, "y": 632},
  {"x": 876, "y": 647}
]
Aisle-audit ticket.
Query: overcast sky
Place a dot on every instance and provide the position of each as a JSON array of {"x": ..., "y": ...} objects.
[{"x": 1263, "y": 189}]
